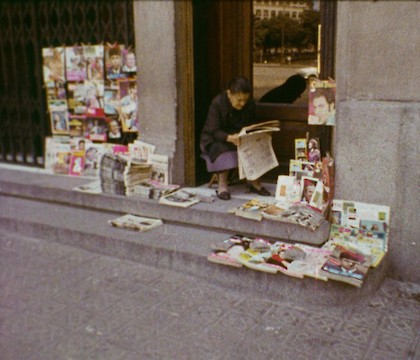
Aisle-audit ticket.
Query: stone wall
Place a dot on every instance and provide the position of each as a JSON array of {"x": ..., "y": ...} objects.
[
  {"x": 378, "y": 116},
  {"x": 155, "y": 50}
]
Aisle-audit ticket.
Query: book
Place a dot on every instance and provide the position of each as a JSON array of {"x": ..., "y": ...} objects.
[
  {"x": 180, "y": 198},
  {"x": 347, "y": 265},
  {"x": 256, "y": 155},
  {"x": 134, "y": 222}
]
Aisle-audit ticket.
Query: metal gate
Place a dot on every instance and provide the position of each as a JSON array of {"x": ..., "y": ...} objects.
[{"x": 27, "y": 27}]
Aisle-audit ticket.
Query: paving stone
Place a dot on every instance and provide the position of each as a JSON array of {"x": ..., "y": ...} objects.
[{"x": 58, "y": 302}]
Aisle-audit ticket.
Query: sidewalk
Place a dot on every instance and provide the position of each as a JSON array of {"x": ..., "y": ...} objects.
[{"x": 59, "y": 302}]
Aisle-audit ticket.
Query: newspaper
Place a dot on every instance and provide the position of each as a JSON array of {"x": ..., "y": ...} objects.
[{"x": 255, "y": 151}]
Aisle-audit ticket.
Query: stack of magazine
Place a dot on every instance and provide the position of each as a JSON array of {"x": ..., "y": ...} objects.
[{"x": 119, "y": 175}]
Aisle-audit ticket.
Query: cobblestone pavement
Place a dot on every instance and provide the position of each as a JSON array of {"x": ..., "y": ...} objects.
[{"x": 59, "y": 302}]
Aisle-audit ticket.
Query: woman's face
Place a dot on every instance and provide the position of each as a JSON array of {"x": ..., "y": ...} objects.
[{"x": 238, "y": 100}]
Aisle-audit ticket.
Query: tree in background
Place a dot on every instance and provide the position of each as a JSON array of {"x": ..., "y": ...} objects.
[{"x": 275, "y": 35}]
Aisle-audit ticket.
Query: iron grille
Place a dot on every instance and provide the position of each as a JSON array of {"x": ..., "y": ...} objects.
[{"x": 27, "y": 27}]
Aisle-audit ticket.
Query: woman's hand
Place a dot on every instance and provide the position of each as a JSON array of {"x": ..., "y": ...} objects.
[{"x": 234, "y": 139}]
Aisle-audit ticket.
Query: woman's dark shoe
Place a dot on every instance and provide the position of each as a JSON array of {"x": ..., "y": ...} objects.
[
  {"x": 224, "y": 195},
  {"x": 263, "y": 191}
]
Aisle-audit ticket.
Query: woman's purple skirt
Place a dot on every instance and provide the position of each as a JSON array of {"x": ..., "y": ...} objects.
[{"x": 225, "y": 161}]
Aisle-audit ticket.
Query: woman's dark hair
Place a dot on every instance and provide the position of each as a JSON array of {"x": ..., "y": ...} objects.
[{"x": 239, "y": 84}]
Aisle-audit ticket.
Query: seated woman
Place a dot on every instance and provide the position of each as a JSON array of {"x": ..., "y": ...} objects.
[{"x": 229, "y": 112}]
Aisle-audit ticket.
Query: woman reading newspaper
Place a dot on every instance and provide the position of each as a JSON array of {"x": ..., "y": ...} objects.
[{"x": 229, "y": 112}]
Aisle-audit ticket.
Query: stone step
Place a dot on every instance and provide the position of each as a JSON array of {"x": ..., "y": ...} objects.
[
  {"x": 215, "y": 216},
  {"x": 46, "y": 207}
]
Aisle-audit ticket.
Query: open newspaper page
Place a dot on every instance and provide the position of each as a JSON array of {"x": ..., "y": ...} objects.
[{"x": 255, "y": 151}]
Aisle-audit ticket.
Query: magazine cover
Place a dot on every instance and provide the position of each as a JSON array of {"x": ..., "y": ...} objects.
[
  {"x": 301, "y": 149},
  {"x": 76, "y": 97},
  {"x": 284, "y": 189},
  {"x": 75, "y": 63},
  {"x": 76, "y": 125},
  {"x": 59, "y": 117},
  {"x": 252, "y": 209},
  {"x": 128, "y": 105},
  {"x": 114, "y": 61},
  {"x": 130, "y": 62},
  {"x": 308, "y": 189},
  {"x": 142, "y": 152},
  {"x": 95, "y": 128},
  {"x": 347, "y": 265},
  {"x": 160, "y": 168},
  {"x": 299, "y": 168},
  {"x": 94, "y": 55},
  {"x": 134, "y": 222},
  {"x": 371, "y": 243},
  {"x": 111, "y": 101},
  {"x": 53, "y": 66},
  {"x": 93, "y": 155},
  {"x": 322, "y": 103},
  {"x": 352, "y": 213},
  {"x": 314, "y": 150},
  {"x": 57, "y": 155},
  {"x": 77, "y": 162},
  {"x": 94, "y": 94}
]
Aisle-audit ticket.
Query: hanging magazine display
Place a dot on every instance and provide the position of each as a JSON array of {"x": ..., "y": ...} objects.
[
  {"x": 322, "y": 103},
  {"x": 91, "y": 93}
]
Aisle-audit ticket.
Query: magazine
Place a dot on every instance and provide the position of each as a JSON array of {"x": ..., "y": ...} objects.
[
  {"x": 301, "y": 149},
  {"x": 141, "y": 151},
  {"x": 310, "y": 265},
  {"x": 160, "y": 168},
  {"x": 59, "y": 117},
  {"x": 299, "y": 168},
  {"x": 53, "y": 65},
  {"x": 75, "y": 63},
  {"x": 252, "y": 209},
  {"x": 180, "y": 198},
  {"x": 321, "y": 109},
  {"x": 300, "y": 214},
  {"x": 134, "y": 222},
  {"x": 371, "y": 243},
  {"x": 255, "y": 151},
  {"x": 360, "y": 215},
  {"x": 287, "y": 190},
  {"x": 346, "y": 264},
  {"x": 57, "y": 155},
  {"x": 77, "y": 162}
]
